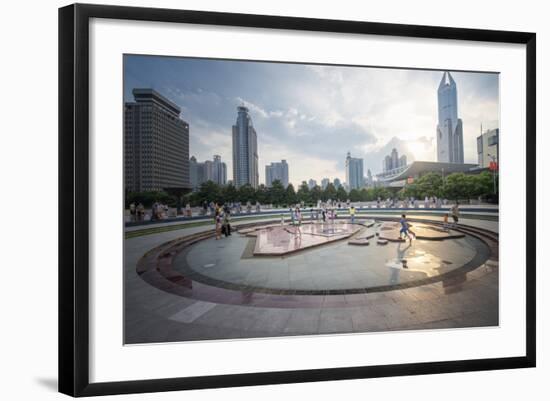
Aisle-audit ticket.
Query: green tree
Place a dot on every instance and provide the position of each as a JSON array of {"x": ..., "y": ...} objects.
[
  {"x": 316, "y": 194},
  {"x": 483, "y": 184},
  {"x": 355, "y": 195},
  {"x": 329, "y": 192},
  {"x": 290, "y": 195},
  {"x": 247, "y": 194},
  {"x": 430, "y": 185},
  {"x": 262, "y": 194},
  {"x": 341, "y": 194},
  {"x": 381, "y": 192},
  {"x": 277, "y": 193},
  {"x": 230, "y": 193},
  {"x": 411, "y": 190},
  {"x": 303, "y": 193},
  {"x": 457, "y": 186},
  {"x": 209, "y": 191}
]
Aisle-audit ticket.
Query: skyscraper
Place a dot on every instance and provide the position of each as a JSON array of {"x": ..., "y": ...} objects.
[
  {"x": 394, "y": 158},
  {"x": 337, "y": 183},
  {"x": 277, "y": 171},
  {"x": 156, "y": 144},
  {"x": 311, "y": 183},
  {"x": 450, "y": 147},
  {"x": 354, "y": 172},
  {"x": 393, "y": 161},
  {"x": 324, "y": 183},
  {"x": 245, "y": 150}
]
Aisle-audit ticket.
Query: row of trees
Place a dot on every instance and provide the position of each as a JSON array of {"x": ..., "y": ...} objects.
[
  {"x": 457, "y": 186},
  {"x": 278, "y": 195},
  {"x": 454, "y": 186}
]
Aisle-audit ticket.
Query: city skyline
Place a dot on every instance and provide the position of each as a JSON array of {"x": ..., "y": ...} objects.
[{"x": 312, "y": 115}]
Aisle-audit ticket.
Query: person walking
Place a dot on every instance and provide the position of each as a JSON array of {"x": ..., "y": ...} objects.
[
  {"x": 226, "y": 224},
  {"x": 140, "y": 211},
  {"x": 298, "y": 214},
  {"x": 455, "y": 213},
  {"x": 132, "y": 211},
  {"x": 154, "y": 211},
  {"x": 218, "y": 222}
]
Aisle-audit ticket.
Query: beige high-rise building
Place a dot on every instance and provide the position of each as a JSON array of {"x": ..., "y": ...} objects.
[{"x": 487, "y": 147}]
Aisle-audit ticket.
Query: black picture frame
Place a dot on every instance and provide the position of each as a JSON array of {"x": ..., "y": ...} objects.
[{"x": 74, "y": 200}]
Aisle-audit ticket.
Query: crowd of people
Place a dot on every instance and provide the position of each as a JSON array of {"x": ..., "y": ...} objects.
[
  {"x": 209, "y": 208},
  {"x": 325, "y": 211}
]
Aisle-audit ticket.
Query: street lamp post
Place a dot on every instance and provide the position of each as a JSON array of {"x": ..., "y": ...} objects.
[{"x": 493, "y": 158}]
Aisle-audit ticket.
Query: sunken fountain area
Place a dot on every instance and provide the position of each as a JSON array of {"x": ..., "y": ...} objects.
[{"x": 274, "y": 265}]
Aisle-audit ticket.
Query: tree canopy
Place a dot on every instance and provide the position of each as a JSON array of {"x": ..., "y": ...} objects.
[{"x": 454, "y": 186}]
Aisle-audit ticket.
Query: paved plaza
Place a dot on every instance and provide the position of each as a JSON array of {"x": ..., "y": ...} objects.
[{"x": 269, "y": 280}]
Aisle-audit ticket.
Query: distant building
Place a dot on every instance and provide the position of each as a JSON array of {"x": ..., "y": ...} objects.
[
  {"x": 393, "y": 161},
  {"x": 219, "y": 171},
  {"x": 369, "y": 182},
  {"x": 450, "y": 147},
  {"x": 276, "y": 171},
  {"x": 337, "y": 183},
  {"x": 197, "y": 173},
  {"x": 311, "y": 183},
  {"x": 387, "y": 164},
  {"x": 245, "y": 150},
  {"x": 394, "y": 158},
  {"x": 209, "y": 170},
  {"x": 487, "y": 147},
  {"x": 324, "y": 183},
  {"x": 354, "y": 172},
  {"x": 156, "y": 144}
]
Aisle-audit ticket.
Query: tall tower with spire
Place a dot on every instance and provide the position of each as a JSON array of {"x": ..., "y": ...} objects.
[{"x": 450, "y": 147}]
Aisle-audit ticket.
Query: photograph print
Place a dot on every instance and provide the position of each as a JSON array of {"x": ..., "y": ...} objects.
[{"x": 266, "y": 199}]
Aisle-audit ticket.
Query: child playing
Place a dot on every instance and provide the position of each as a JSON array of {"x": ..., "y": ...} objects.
[
  {"x": 404, "y": 228},
  {"x": 446, "y": 222}
]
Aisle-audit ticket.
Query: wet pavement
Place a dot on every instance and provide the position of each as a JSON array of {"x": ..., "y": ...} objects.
[{"x": 333, "y": 266}]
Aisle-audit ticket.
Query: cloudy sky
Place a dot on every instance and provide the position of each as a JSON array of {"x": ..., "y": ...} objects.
[{"x": 313, "y": 115}]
